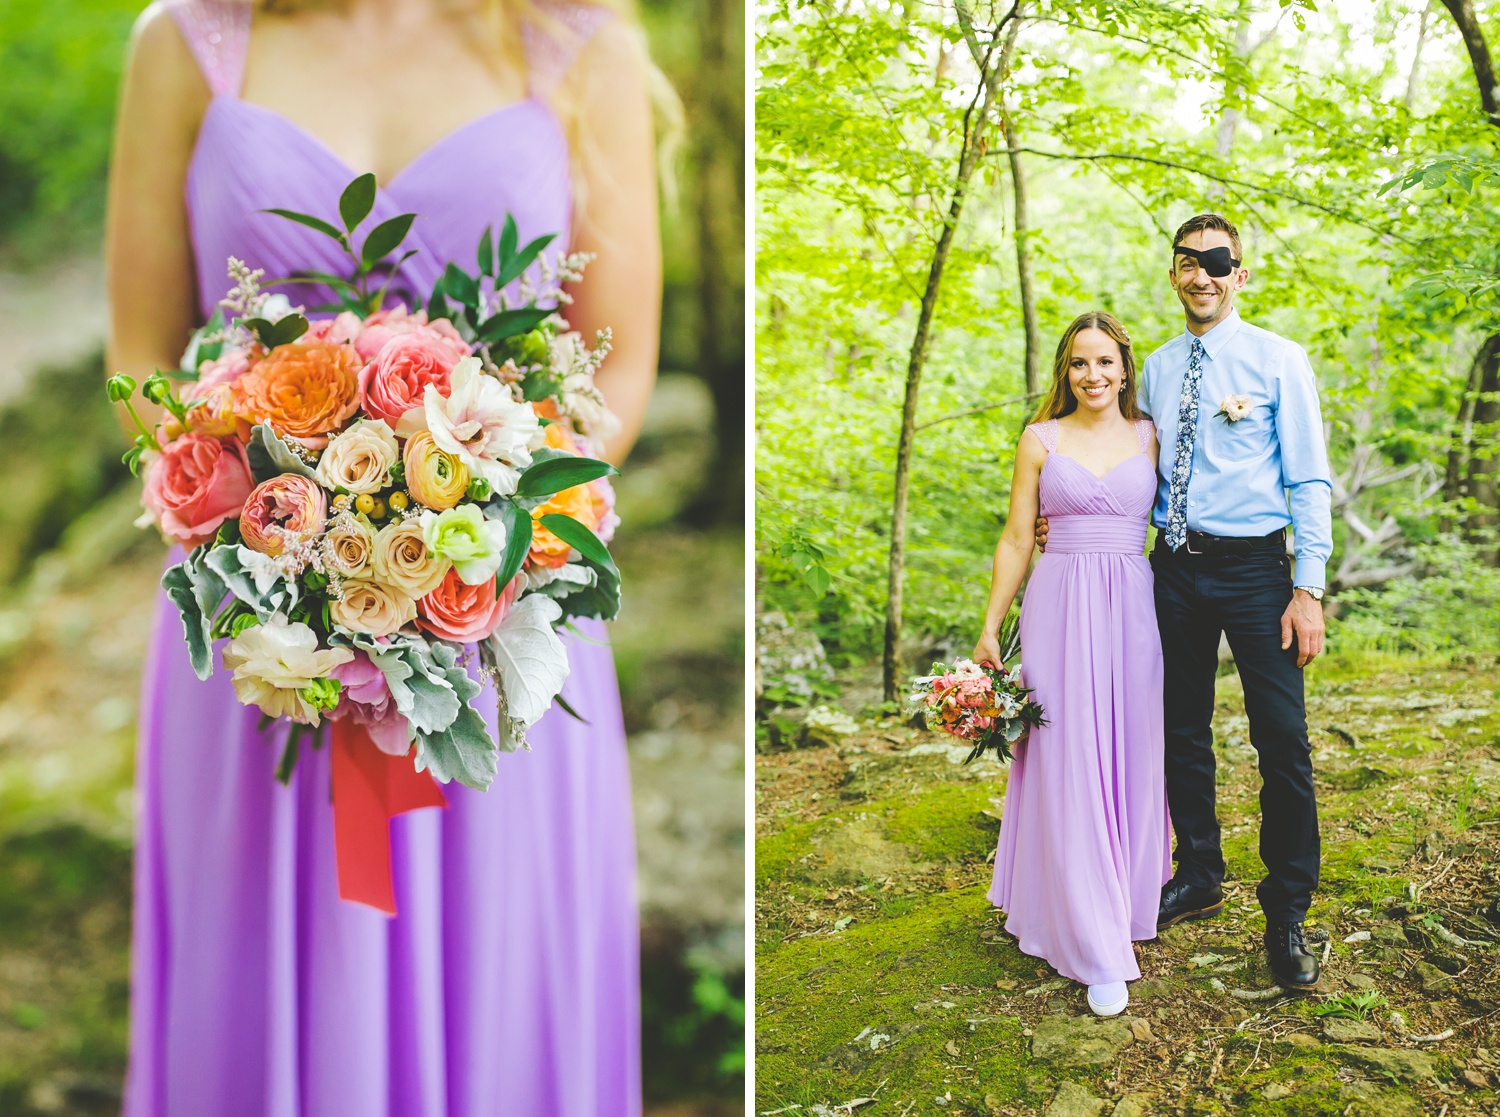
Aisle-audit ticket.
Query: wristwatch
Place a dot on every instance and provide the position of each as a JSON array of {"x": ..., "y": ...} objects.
[{"x": 1312, "y": 591}]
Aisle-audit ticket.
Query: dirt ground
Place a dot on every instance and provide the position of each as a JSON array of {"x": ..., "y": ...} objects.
[{"x": 886, "y": 984}]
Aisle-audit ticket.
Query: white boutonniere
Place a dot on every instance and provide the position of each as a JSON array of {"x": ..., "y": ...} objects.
[{"x": 1234, "y": 408}]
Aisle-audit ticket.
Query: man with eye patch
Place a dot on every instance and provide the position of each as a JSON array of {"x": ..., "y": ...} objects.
[{"x": 1242, "y": 460}]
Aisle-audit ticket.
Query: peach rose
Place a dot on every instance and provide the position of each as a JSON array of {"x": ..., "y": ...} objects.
[
  {"x": 359, "y": 459},
  {"x": 463, "y": 613},
  {"x": 213, "y": 414},
  {"x": 383, "y": 325},
  {"x": 400, "y": 559},
  {"x": 283, "y": 507},
  {"x": 366, "y": 605},
  {"x": 578, "y": 502},
  {"x": 348, "y": 544},
  {"x": 303, "y": 390},
  {"x": 434, "y": 477},
  {"x": 194, "y": 485},
  {"x": 395, "y": 381}
]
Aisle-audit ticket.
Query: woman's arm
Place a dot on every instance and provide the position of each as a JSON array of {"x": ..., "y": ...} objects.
[
  {"x": 147, "y": 251},
  {"x": 621, "y": 289},
  {"x": 1013, "y": 552}
]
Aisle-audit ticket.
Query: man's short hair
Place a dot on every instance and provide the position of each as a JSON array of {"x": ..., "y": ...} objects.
[{"x": 1205, "y": 221}]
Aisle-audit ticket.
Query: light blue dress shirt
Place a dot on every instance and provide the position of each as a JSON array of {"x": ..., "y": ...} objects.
[{"x": 1266, "y": 471}]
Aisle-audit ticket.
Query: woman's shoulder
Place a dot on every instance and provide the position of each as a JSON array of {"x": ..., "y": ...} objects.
[
  {"x": 161, "y": 60},
  {"x": 1044, "y": 431}
]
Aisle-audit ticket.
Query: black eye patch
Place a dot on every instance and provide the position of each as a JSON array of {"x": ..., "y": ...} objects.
[{"x": 1216, "y": 261}]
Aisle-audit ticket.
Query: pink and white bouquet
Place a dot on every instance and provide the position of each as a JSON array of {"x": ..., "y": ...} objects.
[
  {"x": 978, "y": 702},
  {"x": 364, "y": 496}
]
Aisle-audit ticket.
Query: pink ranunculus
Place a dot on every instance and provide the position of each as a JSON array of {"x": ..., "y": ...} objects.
[
  {"x": 283, "y": 507},
  {"x": 194, "y": 485},
  {"x": 226, "y": 368},
  {"x": 342, "y": 329},
  {"x": 383, "y": 325},
  {"x": 367, "y": 699},
  {"x": 464, "y": 613},
  {"x": 395, "y": 381}
]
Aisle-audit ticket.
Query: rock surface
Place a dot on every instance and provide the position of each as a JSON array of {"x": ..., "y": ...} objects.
[
  {"x": 1079, "y": 1041},
  {"x": 1351, "y": 1031},
  {"x": 1073, "y": 1100},
  {"x": 1404, "y": 1066}
]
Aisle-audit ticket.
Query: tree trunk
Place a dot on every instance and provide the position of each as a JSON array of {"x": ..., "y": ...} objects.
[
  {"x": 1482, "y": 473},
  {"x": 1023, "y": 227},
  {"x": 1462, "y": 12},
  {"x": 1416, "y": 59},
  {"x": 969, "y": 155},
  {"x": 1455, "y": 482},
  {"x": 718, "y": 157}
]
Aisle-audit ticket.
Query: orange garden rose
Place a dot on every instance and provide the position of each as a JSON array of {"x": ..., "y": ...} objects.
[
  {"x": 578, "y": 502},
  {"x": 303, "y": 390},
  {"x": 455, "y": 611}
]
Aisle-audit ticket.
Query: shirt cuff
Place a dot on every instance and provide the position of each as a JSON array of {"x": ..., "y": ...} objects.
[{"x": 1310, "y": 572}]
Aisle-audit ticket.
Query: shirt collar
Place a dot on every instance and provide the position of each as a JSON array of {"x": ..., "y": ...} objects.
[{"x": 1218, "y": 337}]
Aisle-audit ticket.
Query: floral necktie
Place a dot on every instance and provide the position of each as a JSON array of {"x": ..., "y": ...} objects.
[{"x": 1187, "y": 435}]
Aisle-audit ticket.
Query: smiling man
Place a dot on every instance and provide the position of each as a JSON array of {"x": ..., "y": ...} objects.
[{"x": 1242, "y": 460}]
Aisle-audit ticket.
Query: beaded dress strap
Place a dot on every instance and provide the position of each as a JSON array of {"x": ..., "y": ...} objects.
[
  {"x": 1143, "y": 432},
  {"x": 217, "y": 32},
  {"x": 1046, "y": 431},
  {"x": 552, "y": 42}
]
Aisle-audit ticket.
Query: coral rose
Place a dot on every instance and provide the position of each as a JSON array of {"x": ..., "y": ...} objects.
[
  {"x": 434, "y": 477},
  {"x": 194, "y": 485},
  {"x": 281, "y": 509},
  {"x": 303, "y": 390},
  {"x": 396, "y": 381},
  {"x": 359, "y": 459},
  {"x": 365, "y": 605},
  {"x": 401, "y": 560},
  {"x": 383, "y": 325},
  {"x": 213, "y": 414},
  {"x": 465, "y": 613},
  {"x": 578, "y": 502},
  {"x": 342, "y": 328}
]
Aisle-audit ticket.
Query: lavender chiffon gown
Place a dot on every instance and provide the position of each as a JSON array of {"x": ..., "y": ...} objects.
[
  {"x": 508, "y": 983},
  {"x": 1084, "y": 846}
]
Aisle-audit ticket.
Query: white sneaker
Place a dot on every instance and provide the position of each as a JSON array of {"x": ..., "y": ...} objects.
[{"x": 1108, "y": 999}]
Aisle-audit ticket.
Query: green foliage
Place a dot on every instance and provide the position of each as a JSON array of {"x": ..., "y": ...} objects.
[{"x": 1351, "y": 1006}]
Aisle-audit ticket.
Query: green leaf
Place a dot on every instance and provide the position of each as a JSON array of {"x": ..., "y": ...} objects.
[
  {"x": 460, "y": 285},
  {"x": 556, "y": 474},
  {"x": 437, "y": 306},
  {"x": 518, "y": 264},
  {"x": 311, "y": 222},
  {"x": 287, "y": 329},
  {"x": 567, "y": 709},
  {"x": 385, "y": 238},
  {"x": 271, "y": 457},
  {"x": 486, "y": 253},
  {"x": 510, "y": 323},
  {"x": 518, "y": 531},
  {"x": 580, "y": 538},
  {"x": 509, "y": 235},
  {"x": 357, "y": 200}
]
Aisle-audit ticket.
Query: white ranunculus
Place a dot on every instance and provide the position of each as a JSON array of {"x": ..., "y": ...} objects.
[
  {"x": 272, "y": 664},
  {"x": 360, "y": 458},
  {"x": 480, "y": 424}
]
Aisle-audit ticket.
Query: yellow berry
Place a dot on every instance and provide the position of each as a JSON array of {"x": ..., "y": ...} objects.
[
  {"x": 398, "y": 501},
  {"x": 365, "y": 503},
  {"x": 379, "y": 512}
]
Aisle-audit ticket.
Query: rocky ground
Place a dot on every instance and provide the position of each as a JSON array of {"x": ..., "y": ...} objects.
[
  {"x": 886, "y": 985},
  {"x": 72, "y": 639}
]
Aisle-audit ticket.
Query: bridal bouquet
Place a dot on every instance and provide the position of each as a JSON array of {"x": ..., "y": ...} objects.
[
  {"x": 980, "y": 703},
  {"x": 365, "y": 495}
]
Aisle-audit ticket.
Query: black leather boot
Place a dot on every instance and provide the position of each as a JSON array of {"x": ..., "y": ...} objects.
[
  {"x": 1187, "y": 901},
  {"x": 1293, "y": 965}
]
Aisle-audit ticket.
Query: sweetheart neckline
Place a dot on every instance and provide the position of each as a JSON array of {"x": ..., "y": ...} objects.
[
  {"x": 1096, "y": 476},
  {"x": 386, "y": 187}
]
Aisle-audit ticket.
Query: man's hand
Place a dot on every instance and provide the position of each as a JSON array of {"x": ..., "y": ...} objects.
[
  {"x": 1304, "y": 617},
  {"x": 987, "y": 650},
  {"x": 1041, "y": 533}
]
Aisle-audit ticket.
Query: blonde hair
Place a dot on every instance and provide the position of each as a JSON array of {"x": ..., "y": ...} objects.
[
  {"x": 1060, "y": 399},
  {"x": 509, "y": 21}
]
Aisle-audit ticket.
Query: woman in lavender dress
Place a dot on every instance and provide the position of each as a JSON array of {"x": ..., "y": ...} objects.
[
  {"x": 1084, "y": 846},
  {"x": 507, "y": 984}
]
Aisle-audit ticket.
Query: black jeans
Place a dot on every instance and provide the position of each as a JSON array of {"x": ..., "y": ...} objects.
[{"x": 1197, "y": 597}]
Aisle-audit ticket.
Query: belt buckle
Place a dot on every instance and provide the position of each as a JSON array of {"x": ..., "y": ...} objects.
[{"x": 1187, "y": 542}]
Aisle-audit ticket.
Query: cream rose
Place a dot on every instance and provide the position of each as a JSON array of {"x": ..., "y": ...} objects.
[
  {"x": 347, "y": 545},
  {"x": 1235, "y": 408},
  {"x": 360, "y": 458},
  {"x": 402, "y": 560},
  {"x": 276, "y": 664},
  {"x": 370, "y": 606}
]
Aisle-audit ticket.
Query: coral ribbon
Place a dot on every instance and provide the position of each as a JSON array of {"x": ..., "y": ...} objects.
[{"x": 370, "y": 788}]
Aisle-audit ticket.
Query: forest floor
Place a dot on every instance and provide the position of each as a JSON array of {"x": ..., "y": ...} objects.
[
  {"x": 885, "y": 983},
  {"x": 72, "y": 643}
]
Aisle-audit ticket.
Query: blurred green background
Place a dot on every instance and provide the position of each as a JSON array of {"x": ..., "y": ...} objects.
[{"x": 77, "y": 581}]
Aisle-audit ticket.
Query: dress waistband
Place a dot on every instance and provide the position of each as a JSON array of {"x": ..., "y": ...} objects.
[{"x": 1073, "y": 535}]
